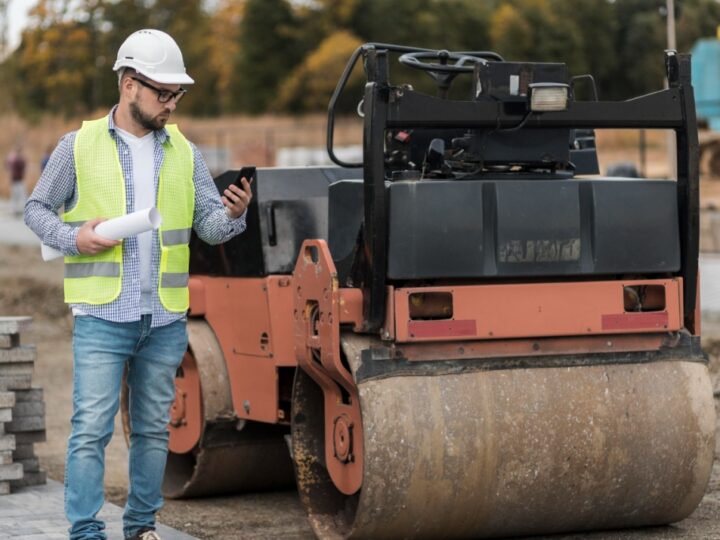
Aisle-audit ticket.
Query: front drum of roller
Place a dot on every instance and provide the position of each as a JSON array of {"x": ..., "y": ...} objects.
[{"x": 514, "y": 452}]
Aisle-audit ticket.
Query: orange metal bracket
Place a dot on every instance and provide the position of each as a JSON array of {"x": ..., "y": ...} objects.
[
  {"x": 351, "y": 301},
  {"x": 317, "y": 316}
]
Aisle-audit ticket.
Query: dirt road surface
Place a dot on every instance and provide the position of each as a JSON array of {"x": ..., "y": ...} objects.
[{"x": 30, "y": 287}]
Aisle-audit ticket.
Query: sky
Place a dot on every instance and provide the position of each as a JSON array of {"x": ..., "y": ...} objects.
[{"x": 17, "y": 19}]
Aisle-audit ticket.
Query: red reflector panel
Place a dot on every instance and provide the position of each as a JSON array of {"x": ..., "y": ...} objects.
[
  {"x": 430, "y": 329},
  {"x": 635, "y": 321}
]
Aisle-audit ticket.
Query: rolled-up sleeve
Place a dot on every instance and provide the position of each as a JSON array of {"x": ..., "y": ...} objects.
[
  {"x": 211, "y": 222},
  {"x": 56, "y": 188}
]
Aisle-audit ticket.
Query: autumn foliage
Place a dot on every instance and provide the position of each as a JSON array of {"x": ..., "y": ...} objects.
[{"x": 285, "y": 56}]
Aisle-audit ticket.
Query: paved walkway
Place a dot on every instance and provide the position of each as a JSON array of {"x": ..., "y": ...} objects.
[{"x": 37, "y": 513}]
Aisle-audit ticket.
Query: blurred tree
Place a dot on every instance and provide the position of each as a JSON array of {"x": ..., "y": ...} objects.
[
  {"x": 510, "y": 32},
  {"x": 4, "y": 19},
  {"x": 448, "y": 24},
  {"x": 190, "y": 25},
  {"x": 334, "y": 14},
  {"x": 470, "y": 21},
  {"x": 316, "y": 20},
  {"x": 253, "y": 55},
  {"x": 6, "y": 101},
  {"x": 639, "y": 44},
  {"x": 443, "y": 24},
  {"x": 91, "y": 13},
  {"x": 538, "y": 30},
  {"x": 120, "y": 19},
  {"x": 700, "y": 19},
  {"x": 645, "y": 43},
  {"x": 269, "y": 48},
  {"x": 310, "y": 85},
  {"x": 595, "y": 21},
  {"x": 224, "y": 46},
  {"x": 54, "y": 62}
]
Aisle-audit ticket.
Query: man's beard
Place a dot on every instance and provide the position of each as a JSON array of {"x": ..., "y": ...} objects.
[{"x": 148, "y": 122}]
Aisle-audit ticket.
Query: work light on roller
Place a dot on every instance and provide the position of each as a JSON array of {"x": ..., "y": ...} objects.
[{"x": 549, "y": 97}]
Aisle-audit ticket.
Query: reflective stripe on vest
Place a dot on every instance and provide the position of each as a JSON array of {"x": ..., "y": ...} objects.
[
  {"x": 99, "y": 269},
  {"x": 97, "y": 279},
  {"x": 178, "y": 236},
  {"x": 172, "y": 280}
]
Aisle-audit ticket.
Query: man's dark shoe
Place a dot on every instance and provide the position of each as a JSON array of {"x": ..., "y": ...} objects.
[{"x": 146, "y": 533}]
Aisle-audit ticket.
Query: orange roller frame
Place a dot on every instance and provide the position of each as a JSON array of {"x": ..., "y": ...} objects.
[{"x": 538, "y": 310}]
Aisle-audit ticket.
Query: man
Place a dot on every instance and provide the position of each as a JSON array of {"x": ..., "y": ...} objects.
[
  {"x": 129, "y": 298},
  {"x": 15, "y": 164}
]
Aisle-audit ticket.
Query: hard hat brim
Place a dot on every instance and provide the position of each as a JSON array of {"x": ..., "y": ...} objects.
[
  {"x": 162, "y": 78},
  {"x": 168, "y": 78}
]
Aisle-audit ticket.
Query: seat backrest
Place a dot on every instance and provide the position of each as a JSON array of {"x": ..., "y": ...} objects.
[{"x": 289, "y": 205}]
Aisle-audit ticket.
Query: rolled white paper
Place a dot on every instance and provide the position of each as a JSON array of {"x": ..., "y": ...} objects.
[
  {"x": 130, "y": 224},
  {"x": 117, "y": 229}
]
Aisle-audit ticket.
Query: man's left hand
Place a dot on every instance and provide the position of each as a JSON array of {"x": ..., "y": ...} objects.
[{"x": 237, "y": 200}]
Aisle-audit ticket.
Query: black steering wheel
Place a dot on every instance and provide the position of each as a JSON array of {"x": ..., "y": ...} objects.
[
  {"x": 443, "y": 72},
  {"x": 417, "y": 60}
]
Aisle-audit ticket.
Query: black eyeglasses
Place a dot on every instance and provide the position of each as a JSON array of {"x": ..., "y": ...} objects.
[{"x": 163, "y": 95}]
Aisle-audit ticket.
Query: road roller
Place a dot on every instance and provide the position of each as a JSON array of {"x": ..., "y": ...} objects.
[{"x": 470, "y": 333}]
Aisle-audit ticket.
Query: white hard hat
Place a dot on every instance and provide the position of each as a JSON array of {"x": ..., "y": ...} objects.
[{"x": 154, "y": 54}]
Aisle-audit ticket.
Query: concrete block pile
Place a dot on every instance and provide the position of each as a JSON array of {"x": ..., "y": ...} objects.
[
  {"x": 9, "y": 471},
  {"x": 22, "y": 409}
]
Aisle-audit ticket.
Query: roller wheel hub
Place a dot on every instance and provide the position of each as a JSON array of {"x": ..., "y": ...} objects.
[{"x": 342, "y": 438}]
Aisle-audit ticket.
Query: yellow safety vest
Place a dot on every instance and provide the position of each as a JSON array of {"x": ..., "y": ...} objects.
[{"x": 97, "y": 279}]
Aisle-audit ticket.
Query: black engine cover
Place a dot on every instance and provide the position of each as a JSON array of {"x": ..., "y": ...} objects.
[{"x": 531, "y": 228}]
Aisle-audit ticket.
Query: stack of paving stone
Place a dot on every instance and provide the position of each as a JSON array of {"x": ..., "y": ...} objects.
[
  {"x": 22, "y": 410},
  {"x": 9, "y": 471}
]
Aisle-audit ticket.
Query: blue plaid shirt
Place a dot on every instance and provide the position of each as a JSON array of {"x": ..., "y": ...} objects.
[{"x": 58, "y": 186}]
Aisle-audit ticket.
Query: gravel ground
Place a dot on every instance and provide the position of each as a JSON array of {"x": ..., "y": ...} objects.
[{"x": 31, "y": 287}]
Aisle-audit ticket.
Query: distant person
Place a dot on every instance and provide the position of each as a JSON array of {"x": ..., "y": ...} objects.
[
  {"x": 45, "y": 158},
  {"x": 15, "y": 165},
  {"x": 129, "y": 298}
]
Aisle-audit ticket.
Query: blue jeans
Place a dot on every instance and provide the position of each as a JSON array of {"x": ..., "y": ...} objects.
[{"x": 101, "y": 350}]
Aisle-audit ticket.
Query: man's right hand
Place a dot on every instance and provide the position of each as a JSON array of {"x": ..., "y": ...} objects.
[{"x": 89, "y": 242}]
